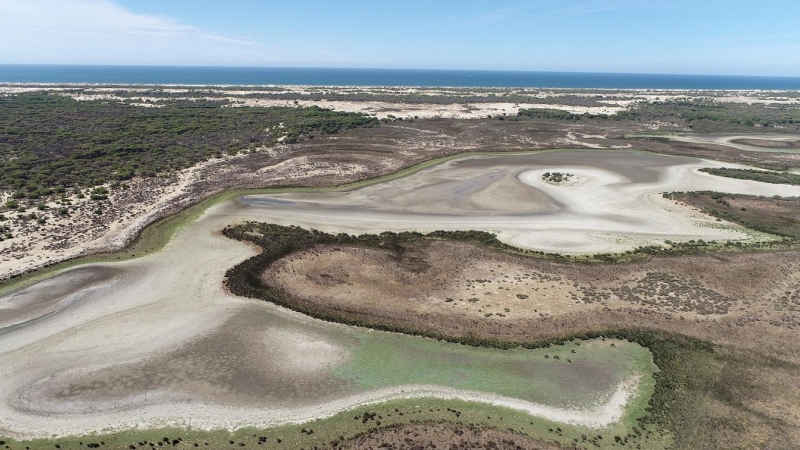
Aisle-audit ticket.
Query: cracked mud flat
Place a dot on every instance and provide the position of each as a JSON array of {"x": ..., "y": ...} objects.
[{"x": 156, "y": 341}]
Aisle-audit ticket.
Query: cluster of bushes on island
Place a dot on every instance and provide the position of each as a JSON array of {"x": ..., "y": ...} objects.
[{"x": 556, "y": 177}]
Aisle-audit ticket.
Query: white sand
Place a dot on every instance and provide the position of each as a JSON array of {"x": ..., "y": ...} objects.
[{"x": 186, "y": 413}]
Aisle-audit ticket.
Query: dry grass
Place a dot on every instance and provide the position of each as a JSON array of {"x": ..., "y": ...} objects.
[
  {"x": 768, "y": 143},
  {"x": 738, "y": 302},
  {"x": 742, "y": 300},
  {"x": 779, "y": 216}
]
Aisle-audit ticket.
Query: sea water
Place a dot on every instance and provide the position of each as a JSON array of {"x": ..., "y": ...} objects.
[{"x": 379, "y": 77}]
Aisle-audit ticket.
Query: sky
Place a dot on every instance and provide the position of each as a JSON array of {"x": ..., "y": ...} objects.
[{"x": 725, "y": 37}]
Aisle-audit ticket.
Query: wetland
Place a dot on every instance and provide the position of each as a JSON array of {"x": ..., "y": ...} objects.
[{"x": 628, "y": 290}]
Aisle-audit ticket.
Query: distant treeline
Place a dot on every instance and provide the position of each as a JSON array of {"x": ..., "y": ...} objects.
[
  {"x": 697, "y": 111},
  {"x": 50, "y": 141},
  {"x": 701, "y": 114},
  {"x": 558, "y": 114}
]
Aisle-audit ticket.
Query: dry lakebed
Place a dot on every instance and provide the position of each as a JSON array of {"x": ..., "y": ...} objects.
[{"x": 157, "y": 340}]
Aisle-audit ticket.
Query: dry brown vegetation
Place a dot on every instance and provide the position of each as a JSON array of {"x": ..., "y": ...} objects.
[
  {"x": 743, "y": 300},
  {"x": 768, "y": 143},
  {"x": 775, "y": 215},
  {"x": 746, "y": 304}
]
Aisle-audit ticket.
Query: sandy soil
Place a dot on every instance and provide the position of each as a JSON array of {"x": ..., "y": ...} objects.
[
  {"x": 82, "y": 231},
  {"x": 128, "y": 211},
  {"x": 178, "y": 327},
  {"x": 427, "y": 111},
  {"x": 41, "y": 361},
  {"x": 611, "y": 99},
  {"x": 335, "y": 159}
]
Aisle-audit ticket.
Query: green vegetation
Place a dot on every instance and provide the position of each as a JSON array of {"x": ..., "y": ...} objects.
[
  {"x": 441, "y": 96},
  {"x": 703, "y": 114},
  {"x": 333, "y": 431},
  {"x": 693, "y": 376},
  {"x": 386, "y": 360},
  {"x": 756, "y": 175},
  {"x": 381, "y": 359},
  {"x": 559, "y": 114},
  {"x": 556, "y": 177},
  {"x": 49, "y": 142},
  {"x": 157, "y": 235}
]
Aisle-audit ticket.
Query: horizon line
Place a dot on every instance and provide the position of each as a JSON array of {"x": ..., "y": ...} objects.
[{"x": 576, "y": 72}]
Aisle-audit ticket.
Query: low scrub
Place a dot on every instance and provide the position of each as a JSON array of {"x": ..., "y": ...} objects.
[
  {"x": 755, "y": 175},
  {"x": 690, "y": 376}
]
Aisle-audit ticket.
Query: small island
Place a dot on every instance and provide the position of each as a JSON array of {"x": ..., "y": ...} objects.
[{"x": 556, "y": 177}]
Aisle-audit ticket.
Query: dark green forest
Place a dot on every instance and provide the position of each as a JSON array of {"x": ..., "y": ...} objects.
[{"x": 51, "y": 142}]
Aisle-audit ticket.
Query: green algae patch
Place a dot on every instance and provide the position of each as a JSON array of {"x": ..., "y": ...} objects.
[{"x": 573, "y": 375}]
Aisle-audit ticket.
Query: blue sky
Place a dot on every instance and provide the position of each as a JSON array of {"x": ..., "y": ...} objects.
[{"x": 645, "y": 36}]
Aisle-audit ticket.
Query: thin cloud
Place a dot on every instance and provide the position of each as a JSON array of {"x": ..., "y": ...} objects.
[
  {"x": 549, "y": 11},
  {"x": 543, "y": 11},
  {"x": 98, "y": 18}
]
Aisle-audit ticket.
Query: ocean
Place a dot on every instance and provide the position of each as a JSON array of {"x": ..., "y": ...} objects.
[{"x": 379, "y": 77}]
